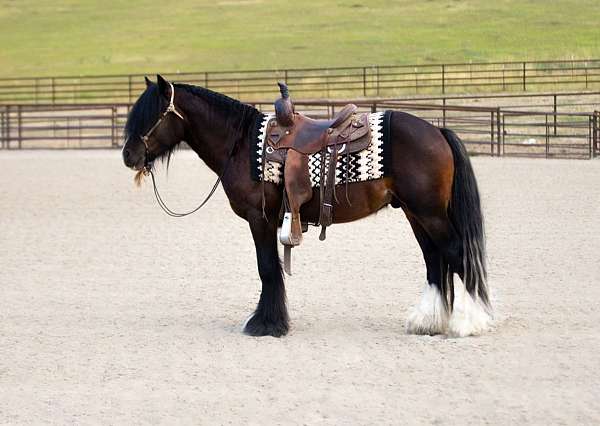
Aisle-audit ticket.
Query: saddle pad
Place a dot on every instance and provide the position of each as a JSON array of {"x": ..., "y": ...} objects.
[{"x": 369, "y": 164}]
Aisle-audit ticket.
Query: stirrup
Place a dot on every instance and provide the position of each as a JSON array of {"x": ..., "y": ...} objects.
[
  {"x": 285, "y": 238},
  {"x": 285, "y": 234}
]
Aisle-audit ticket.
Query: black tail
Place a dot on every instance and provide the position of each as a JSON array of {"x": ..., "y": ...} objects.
[{"x": 465, "y": 214}]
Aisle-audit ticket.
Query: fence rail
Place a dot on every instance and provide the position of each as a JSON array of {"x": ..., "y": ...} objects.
[
  {"x": 485, "y": 130},
  {"x": 368, "y": 81}
]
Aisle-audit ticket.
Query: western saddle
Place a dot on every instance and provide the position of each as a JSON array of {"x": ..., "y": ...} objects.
[{"x": 290, "y": 139}]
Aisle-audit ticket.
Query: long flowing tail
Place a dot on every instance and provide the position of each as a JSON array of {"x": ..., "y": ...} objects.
[{"x": 465, "y": 214}]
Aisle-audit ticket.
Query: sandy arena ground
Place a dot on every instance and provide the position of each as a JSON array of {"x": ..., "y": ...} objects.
[{"x": 113, "y": 313}]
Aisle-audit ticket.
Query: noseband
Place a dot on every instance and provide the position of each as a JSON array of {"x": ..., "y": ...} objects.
[{"x": 147, "y": 170}]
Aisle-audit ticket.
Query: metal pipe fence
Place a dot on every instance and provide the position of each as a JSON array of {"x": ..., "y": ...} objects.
[
  {"x": 496, "y": 131},
  {"x": 367, "y": 81},
  {"x": 485, "y": 130},
  {"x": 62, "y": 126}
]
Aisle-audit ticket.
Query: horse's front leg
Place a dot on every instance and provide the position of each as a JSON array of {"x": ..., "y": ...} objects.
[{"x": 271, "y": 317}]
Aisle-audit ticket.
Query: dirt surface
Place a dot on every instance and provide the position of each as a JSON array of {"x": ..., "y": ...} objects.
[{"x": 113, "y": 313}]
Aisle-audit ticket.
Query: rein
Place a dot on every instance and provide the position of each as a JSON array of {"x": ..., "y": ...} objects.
[
  {"x": 170, "y": 212},
  {"x": 147, "y": 170}
]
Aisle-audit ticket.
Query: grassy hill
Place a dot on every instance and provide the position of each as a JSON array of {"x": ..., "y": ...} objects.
[{"x": 142, "y": 36}]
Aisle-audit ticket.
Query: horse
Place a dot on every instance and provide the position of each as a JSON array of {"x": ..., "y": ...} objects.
[{"x": 431, "y": 179}]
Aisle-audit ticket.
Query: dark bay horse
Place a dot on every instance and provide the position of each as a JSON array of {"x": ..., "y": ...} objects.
[{"x": 431, "y": 180}]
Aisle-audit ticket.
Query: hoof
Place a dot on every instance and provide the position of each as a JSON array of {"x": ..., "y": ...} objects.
[
  {"x": 257, "y": 326},
  {"x": 469, "y": 317},
  {"x": 429, "y": 317}
]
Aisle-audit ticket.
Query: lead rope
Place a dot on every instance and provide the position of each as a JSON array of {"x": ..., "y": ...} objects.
[{"x": 170, "y": 212}]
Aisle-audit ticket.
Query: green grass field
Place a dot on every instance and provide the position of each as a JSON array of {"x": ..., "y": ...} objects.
[{"x": 41, "y": 38}]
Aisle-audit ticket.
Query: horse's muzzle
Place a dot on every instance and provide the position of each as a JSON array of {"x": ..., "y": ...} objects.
[{"x": 133, "y": 161}]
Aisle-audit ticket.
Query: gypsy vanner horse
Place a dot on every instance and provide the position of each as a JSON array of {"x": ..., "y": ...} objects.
[{"x": 430, "y": 178}]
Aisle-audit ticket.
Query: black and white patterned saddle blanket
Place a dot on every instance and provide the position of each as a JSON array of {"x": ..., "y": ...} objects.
[{"x": 369, "y": 164}]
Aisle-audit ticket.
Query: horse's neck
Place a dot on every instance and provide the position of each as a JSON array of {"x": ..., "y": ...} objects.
[{"x": 212, "y": 134}]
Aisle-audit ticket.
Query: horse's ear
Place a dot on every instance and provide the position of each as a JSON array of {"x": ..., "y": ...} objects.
[
  {"x": 163, "y": 86},
  {"x": 148, "y": 82}
]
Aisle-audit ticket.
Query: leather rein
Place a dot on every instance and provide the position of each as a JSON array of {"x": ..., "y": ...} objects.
[{"x": 147, "y": 169}]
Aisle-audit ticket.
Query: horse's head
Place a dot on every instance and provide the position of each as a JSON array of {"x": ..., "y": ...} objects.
[{"x": 154, "y": 126}]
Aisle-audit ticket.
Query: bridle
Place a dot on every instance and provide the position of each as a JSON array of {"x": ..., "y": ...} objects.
[
  {"x": 147, "y": 169},
  {"x": 171, "y": 108}
]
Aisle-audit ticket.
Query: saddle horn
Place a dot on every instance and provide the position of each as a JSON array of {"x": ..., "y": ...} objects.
[
  {"x": 285, "y": 93},
  {"x": 284, "y": 108}
]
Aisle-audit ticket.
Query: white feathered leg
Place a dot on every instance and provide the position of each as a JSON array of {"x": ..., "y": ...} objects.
[
  {"x": 469, "y": 317},
  {"x": 429, "y": 316}
]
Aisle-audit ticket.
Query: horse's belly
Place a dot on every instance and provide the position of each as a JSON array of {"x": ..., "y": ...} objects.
[{"x": 363, "y": 199}]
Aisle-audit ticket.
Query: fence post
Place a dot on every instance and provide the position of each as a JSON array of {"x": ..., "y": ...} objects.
[
  {"x": 595, "y": 134},
  {"x": 377, "y": 80},
  {"x": 130, "y": 94},
  {"x": 113, "y": 127},
  {"x": 206, "y": 80},
  {"x": 416, "y": 82},
  {"x": 67, "y": 137},
  {"x": 365, "y": 81},
  {"x": 444, "y": 112},
  {"x": 19, "y": 125},
  {"x": 498, "y": 129},
  {"x": 591, "y": 137},
  {"x": 7, "y": 124},
  {"x": 492, "y": 133},
  {"x": 555, "y": 109},
  {"x": 53, "y": 92},
  {"x": 503, "y": 134},
  {"x": 443, "y": 78},
  {"x": 524, "y": 77},
  {"x": 2, "y": 143},
  {"x": 547, "y": 137}
]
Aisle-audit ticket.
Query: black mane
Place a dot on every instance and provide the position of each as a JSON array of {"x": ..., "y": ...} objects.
[
  {"x": 144, "y": 113},
  {"x": 217, "y": 100},
  {"x": 147, "y": 109}
]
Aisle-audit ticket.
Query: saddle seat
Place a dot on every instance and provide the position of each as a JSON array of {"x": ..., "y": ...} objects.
[{"x": 309, "y": 136}]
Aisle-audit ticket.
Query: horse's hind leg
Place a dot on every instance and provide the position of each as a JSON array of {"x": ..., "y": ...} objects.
[
  {"x": 270, "y": 316},
  {"x": 467, "y": 317},
  {"x": 430, "y": 316}
]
